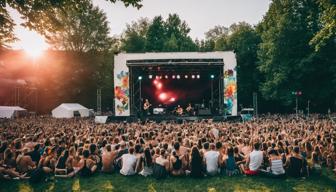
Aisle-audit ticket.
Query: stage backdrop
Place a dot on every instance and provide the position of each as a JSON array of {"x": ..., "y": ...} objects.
[{"x": 121, "y": 78}]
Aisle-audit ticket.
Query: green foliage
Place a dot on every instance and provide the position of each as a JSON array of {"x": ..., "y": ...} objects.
[
  {"x": 6, "y": 28},
  {"x": 216, "y": 32},
  {"x": 134, "y": 37},
  {"x": 156, "y": 35},
  {"x": 73, "y": 27},
  {"x": 244, "y": 40},
  {"x": 327, "y": 31},
  {"x": 53, "y": 19},
  {"x": 287, "y": 61}
]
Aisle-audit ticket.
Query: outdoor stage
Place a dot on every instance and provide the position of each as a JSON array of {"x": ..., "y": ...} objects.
[{"x": 169, "y": 84}]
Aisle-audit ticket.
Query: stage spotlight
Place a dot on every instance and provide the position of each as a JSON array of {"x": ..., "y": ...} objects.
[
  {"x": 150, "y": 76},
  {"x": 160, "y": 77},
  {"x": 193, "y": 76},
  {"x": 155, "y": 82},
  {"x": 186, "y": 76},
  {"x": 166, "y": 76},
  {"x": 156, "y": 77},
  {"x": 163, "y": 96},
  {"x": 212, "y": 76},
  {"x": 178, "y": 76},
  {"x": 159, "y": 85},
  {"x": 198, "y": 76},
  {"x": 172, "y": 99},
  {"x": 140, "y": 77},
  {"x": 173, "y": 76}
]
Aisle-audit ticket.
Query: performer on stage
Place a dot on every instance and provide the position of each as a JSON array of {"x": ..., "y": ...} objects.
[
  {"x": 179, "y": 110},
  {"x": 146, "y": 107},
  {"x": 190, "y": 110}
]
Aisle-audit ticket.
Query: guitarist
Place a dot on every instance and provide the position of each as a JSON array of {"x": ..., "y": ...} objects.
[
  {"x": 179, "y": 110},
  {"x": 146, "y": 107},
  {"x": 190, "y": 110}
]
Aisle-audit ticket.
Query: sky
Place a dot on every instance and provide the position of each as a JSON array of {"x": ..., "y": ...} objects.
[{"x": 200, "y": 15}]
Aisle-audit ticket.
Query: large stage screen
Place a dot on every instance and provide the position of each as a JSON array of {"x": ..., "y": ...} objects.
[{"x": 172, "y": 90}]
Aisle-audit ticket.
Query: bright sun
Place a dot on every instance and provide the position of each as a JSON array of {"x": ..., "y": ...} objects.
[
  {"x": 34, "y": 51},
  {"x": 31, "y": 42}
]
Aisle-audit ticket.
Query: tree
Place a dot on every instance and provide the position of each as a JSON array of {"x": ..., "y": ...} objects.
[
  {"x": 6, "y": 28},
  {"x": 180, "y": 29},
  {"x": 36, "y": 11},
  {"x": 75, "y": 27},
  {"x": 156, "y": 35},
  {"x": 171, "y": 44},
  {"x": 327, "y": 31},
  {"x": 244, "y": 40},
  {"x": 287, "y": 61},
  {"x": 216, "y": 32},
  {"x": 133, "y": 39}
]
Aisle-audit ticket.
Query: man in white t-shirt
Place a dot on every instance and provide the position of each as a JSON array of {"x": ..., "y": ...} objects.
[
  {"x": 254, "y": 160},
  {"x": 128, "y": 162},
  {"x": 211, "y": 158}
]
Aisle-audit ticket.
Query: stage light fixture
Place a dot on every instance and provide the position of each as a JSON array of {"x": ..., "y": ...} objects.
[
  {"x": 193, "y": 76},
  {"x": 178, "y": 76},
  {"x": 166, "y": 76},
  {"x": 198, "y": 76},
  {"x": 173, "y": 76},
  {"x": 186, "y": 76},
  {"x": 172, "y": 99},
  {"x": 156, "y": 77},
  {"x": 212, "y": 76},
  {"x": 159, "y": 85},
  {"x": 150, "y": 76},
  {"x": 160, "y": 76},
  {"x": 140, "y": 77},
  {"x": 163, "y": 96}
]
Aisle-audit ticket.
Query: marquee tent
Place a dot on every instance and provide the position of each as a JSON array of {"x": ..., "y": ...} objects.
[
  {"x": 11, "y": 111},
  {"x": 69, "y": 110}
]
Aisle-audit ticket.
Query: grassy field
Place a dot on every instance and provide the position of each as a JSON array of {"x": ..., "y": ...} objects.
[{"x": 116, "y": 182}]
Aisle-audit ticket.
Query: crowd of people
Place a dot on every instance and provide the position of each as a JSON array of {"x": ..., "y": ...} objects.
[{"x": 37, "y": 148}]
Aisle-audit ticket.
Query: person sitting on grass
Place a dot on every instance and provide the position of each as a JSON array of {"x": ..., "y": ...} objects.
[
  {"x": 87, "y": 166},
  {"x": 147, "y": 163},
  {"x": 254, "y": 161},
  {"x": 108, "y": 158},
  {"x": 294, "y": 163},
  {"x": 128, "y": 163},
  {"x": 315, "y": 164},
  {"x": 230, "y": 163},
  {"x": 176, "y": 161},
  {"x": 212, "y": 159},
  {"x": 276, "y": 167},
  {"x": 196, "y": 163},
  {"x": 161, "y": 166}
]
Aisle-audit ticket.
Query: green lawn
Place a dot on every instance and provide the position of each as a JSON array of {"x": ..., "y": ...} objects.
[{"x": 116, "y": 182}]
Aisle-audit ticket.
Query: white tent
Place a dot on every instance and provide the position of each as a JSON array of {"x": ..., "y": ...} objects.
[
  {"x": 11, "y": 111},
  {"x": 69, "y": 110}
]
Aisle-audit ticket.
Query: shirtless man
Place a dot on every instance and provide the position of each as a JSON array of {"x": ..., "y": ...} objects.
[{"x": 108, "y": 158}]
